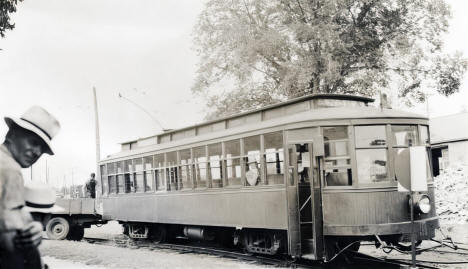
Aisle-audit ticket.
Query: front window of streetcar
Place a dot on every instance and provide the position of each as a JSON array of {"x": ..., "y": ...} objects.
[
  {"x": 371, "y": 154},
  {"x": 373, "y": 145}
]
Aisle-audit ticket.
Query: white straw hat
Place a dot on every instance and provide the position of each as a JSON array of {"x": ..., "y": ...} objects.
[
  {"x": 39, "y": 121},
  {"x": 40, "y": 197}
]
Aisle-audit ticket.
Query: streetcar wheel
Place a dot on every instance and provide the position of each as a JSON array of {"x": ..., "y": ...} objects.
[
  {"x": 225, "y": 238},
  {"x": 76, "y": 233},
  {"x": 158, "y": 234},
  {"x": 57, "y": 228},
  {"x": 262, "y": 242}
]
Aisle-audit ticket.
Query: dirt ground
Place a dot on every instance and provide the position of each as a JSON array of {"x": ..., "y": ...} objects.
[
  {"x": 458, "y": 233},
  {"x": 66, "y": 254},
  {"x": 102, "y": 256},
  {"x": 69, "y": 254}
]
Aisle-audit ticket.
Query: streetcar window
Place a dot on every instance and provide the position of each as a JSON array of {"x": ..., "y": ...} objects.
[
  {"x": 424, "y": 135},
  {"x": 371, "y": 153},
  {"x": 159, "y": 172},
  {"x": 233, "y": 166},
  {"x": 252, "y": 160},
  {"x": 201, "y": 165},
  {"x": 274, "y": 158},
  {"x": 111, "y": 169},
  {"x": 404, "y": 135},
  {"x": 171, "y": 170},
  {"x": 148, "y": 174},
  {"x": 112, "y": 184},
  {"x": 104, "y": 181},
  {"x": 185, "y": 169},
  {"x": 337, "y": 159},
  {"x": 370, "y": 136},
  {"x": 118, "y": 168},
  {"x": 425, "y": 141},
  {"x": 371, "y": 165},
  {"x": 324, "y": 103},
  {"x": 138, "y": 175},
  {"x": 125, "y": 184},
  {"x": 215, "y": 154}
]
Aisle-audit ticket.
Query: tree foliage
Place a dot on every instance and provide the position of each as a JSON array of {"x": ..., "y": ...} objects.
[
  {"x": 6, "y": 8},
  {"x": 255, "y": 52}
]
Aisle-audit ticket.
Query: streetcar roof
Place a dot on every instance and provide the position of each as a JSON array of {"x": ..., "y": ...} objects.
[
  {"x": 313, "y": 115},
  {"x": 323, "y": 96}
]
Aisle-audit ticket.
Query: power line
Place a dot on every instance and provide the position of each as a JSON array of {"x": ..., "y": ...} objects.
[{"x": 144, "y": 110}]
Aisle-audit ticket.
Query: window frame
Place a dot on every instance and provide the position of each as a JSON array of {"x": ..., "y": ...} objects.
[
  {"x": 390, "y": 179},
  {"x": 189, "y": 167},
  {"x": 171, "y": 170},
  {"x": 227, "y": 167},
  {"x": 351, "y": 157},
  {"x": 159, "y": 171},
  {"x": 104, "y": 187},
  {"x": 258, "y": 161},
  {"x": 220, "y": 161},
  {"x": 195, "y": 167},
  {"x": 430, "y": 180},
  {"x": 278, "y": 152},
  {"x": 137, "y": 188},
  {"x": 151, "y": 173},
  {"x": 130, "y": 172}
]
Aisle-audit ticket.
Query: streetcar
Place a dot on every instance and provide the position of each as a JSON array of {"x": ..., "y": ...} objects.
[{"x": 306, "y": 177}]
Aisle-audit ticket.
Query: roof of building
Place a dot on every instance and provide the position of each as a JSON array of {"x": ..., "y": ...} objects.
[{"x": 449, "y": 128}]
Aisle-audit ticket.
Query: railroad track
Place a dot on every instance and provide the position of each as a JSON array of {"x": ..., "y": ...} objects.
[
  {"x": 360, "y": 260},
  {"x": 209, "y": 250}
]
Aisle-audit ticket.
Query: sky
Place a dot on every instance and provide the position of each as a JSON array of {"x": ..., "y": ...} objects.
[{"x": 142, "y": 49}]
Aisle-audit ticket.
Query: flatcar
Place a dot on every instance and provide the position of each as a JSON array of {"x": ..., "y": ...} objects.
[
  {"x": 75, "y": 215},
  {"x": 306, "y": 177}
]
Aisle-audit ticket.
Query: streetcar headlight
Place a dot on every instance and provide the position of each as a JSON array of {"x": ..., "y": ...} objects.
[{"x": 422, "y": 203}]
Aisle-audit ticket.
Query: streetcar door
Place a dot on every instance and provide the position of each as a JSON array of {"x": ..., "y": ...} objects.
[{"x": 305, "y": 218}]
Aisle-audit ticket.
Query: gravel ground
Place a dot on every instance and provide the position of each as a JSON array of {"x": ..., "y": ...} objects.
[
  {"x": 63, "y": 254},
  {"x": 452, "y": 194},
  {"x": 83, "y": 253},
  {"x": 69, "y": 254},
  {"x": 458, "y": 233},
  {"x": 54, "y": 263}
]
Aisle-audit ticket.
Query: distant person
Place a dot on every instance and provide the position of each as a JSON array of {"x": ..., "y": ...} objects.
[
  {"x": 27, "y": 139},
  {"x": 91, "y": 186}
]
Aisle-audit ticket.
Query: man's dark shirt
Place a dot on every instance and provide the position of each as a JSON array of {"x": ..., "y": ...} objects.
[{"x": 91, "y": 188}]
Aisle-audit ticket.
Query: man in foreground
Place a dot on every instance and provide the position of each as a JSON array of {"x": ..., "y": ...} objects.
[{"x": 27, "y": 139}]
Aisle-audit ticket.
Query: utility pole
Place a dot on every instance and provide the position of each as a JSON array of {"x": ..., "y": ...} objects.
[
  {"x": 98, "y": 152},
  {"x": 96, "y": 126}
]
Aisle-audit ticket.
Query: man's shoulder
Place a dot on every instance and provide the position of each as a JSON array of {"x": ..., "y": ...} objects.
[
  {"x": 9, "y": 169},
  {"x": 7, "y": 163}
]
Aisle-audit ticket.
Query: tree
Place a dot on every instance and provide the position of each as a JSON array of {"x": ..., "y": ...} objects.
[
  {"x": 255, "y": 52},
  {"x": 6, "y": 8}
]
